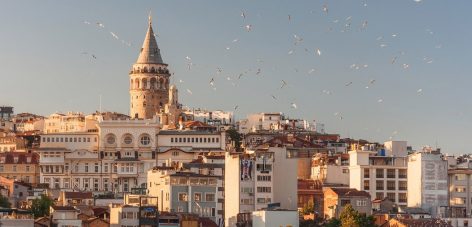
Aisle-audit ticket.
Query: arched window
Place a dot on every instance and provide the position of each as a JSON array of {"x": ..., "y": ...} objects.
[
  {"x": 145, "y": 69},
  {"x": 145, "y": 139},
  {"x": 153, "y": 83},
  {"x": 144, "y": 83},
  {"x": 153, "y": 69},
  {"x": 127, "y": 139},
  {"x": 131, "y": 84},
  {"x": 161, "y": 83},
  {"x": 110, "y": 139},
  {"x": 136, "y": 83}
]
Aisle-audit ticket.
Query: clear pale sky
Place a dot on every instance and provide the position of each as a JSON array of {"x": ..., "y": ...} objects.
[{"x": 44, "y": 69}]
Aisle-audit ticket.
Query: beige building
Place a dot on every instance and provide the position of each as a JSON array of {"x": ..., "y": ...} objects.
[
  {"x": 460, "y": 192},
  {"x": 70, "y": 122},
  {"x": 20, "y": 166},
  {"x": 336, "y": 198}
]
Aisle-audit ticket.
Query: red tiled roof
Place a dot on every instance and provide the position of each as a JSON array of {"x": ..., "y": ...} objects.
[
  {"x": 22, "y": 157},
  {"x": 207, "y": 222},
  {"x": 78, "y": 195},
  {"x": 346, "y": 192},
  {"x": 421, "y": 222}
]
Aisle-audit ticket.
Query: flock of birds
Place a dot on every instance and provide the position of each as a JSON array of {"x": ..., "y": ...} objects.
[{"x": 297, "y": 41}]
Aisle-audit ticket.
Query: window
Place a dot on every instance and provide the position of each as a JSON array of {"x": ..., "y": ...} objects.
[
  {"x": 402, "y": 197},
  {"x": 263, "y": 200},
  {"x": 183, "y": 197},
  {"x": 127, "y": 140},
  {"x": 209, "y": 197},
  {"x": 14, "y": 168},
  {"x": 197, "y": 197},
  {"x": 402, "y": 173},
  {"x": 111, "y": 139},
  {"x": 145, "y": 140},
  {"x": 391, "y": 197},
  {"x": 379, "y": 185},
  {"x": 391, "y": 185},
  {"x": 172, "y": 140},
  {"x": 361, "y": 203},
  {"x": 96, "y": 167},
  {"x": 390, "y": 173},
  {"x": 460, "y": 189},
  {"x": 460, "y": 176},
  {"x": 264, "y": 189},
  {"x": 402, "y": 185},
  {"x": 345, "y": 170},
  {"x": 263, "y": 178},
  {"x": 366, "y": 173},
  {"x": 366, "y": 185},
  {"x": 379, "y": 173},
  {"x": 344, "y": 202},
  {"x": 27, "y": 168},
  {"x": 379, "y": 195},
  {"x": 86, "y": 167}
]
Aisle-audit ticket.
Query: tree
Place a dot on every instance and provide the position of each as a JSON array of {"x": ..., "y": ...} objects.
[
  {"x": 236, "y": 137},
  {"x": 349, "y": 217},
  {"x": 308, "y": 208},
  {"x": 333, "y": 222},
  {"x": 4, "y": 202},
  {"x": 40, "y": 206}
]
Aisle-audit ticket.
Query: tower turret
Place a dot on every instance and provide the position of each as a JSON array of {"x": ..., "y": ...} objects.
[{"x": 149, "y": 80}]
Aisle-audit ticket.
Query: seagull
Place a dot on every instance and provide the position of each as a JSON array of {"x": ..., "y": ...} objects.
[
  {"x": 318, "y": 51},
  {"x": 243, "y": 14},
  {"x": 294, "y": 105},
  {"x": 248, "y": 27},
  {"x": 380, "y": 100},
  {"x": 189, "y": 91},
  {"x": 283, "y": 84},
  {"x": 394, "y": 59},
  {"x": 290, "y": 52},
  {"x": 383, "y": 45},
  {"x": 235, "y": 40},
  {"x": 372, "y": 81},
  {"x": 273, "y": 96},
  {"x": 350, "y": 82},
  {"x": 93, "y": 56},
  {"x": 100, "y": 25},
  {"x": 311, "y": 71},
  {"x": 212, "y": 82},
  {"x": 86, "y": 22},
  {"x": 236, "y": 107},
  {"x": 258, "y": 71},
  {"x": 289, "y": 17},
  {"x": 406, "y": 66},
  {"x": 364, "y": 24},
  {"x": 419, "y": 91},
  {"x": 240, "y": 75},
  {"x": 114, "y": 35},
  {"x": 325, "y": 8},
  {"x": 188, "y": 58},
  {"x": 227, "y": 48},
  {"x": 181, "y": 81},
  {"x": 228, "y": 78}
]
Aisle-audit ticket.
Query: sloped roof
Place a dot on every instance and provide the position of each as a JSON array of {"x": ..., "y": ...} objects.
[
  {"x": 150, "y": 53},
  {"x": 78, "y": 195},
  {"x": 347, "y": 192}
]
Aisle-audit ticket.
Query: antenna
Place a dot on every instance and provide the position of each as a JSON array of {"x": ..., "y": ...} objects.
[{"x": 100, "y": 103}]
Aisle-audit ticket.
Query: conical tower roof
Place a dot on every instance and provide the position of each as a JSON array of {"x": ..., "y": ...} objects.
[{"x": 150, "y": 53}]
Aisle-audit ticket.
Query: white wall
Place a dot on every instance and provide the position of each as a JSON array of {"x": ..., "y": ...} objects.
[
  {"x": 275, "y": 218},
  {"x": 285, "y": 171},
  {"x": 231, "y": 208}
]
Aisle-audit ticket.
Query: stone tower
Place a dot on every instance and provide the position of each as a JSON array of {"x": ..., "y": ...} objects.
[{"x": 149, "y": 80}]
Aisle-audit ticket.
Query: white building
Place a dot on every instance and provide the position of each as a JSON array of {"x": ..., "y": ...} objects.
[
  {"x": 70, "y": 122},
  {"x": 330, "y": 169},
  {"x": 427, "y": 180},
  {"x": 382, "y": 176},
  {"x": 261, "y": 121},
  {"x": 270, "y": 218},
  {"x": 262, "y": 177}
]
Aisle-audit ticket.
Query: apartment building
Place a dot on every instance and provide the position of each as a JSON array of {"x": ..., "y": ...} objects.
[
  {"x": 330, "y": 168},
  {"x": 427, "y": 181},
  {"x": 21, "y": 166},
  {"x": 382, "y": 176}
]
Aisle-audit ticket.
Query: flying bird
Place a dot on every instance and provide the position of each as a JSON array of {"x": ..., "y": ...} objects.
[
  {"x": 293, "y": 105},
  {"x": 350, "y": 82},
  {"x": 248, "y": 27},
  {"x": 273, "y": 96},
  {"x": 325, "y": 8},
  {"x": 318, "y": 51},
  {"x": 212, "y": 81},
  {"x": 189, "y": 91},
  {"x": 243, "y": 14},
  {"x": 283, "y": 84}
]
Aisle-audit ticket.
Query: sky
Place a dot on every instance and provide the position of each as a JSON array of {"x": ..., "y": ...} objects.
[{"x": 376, "y": 70}]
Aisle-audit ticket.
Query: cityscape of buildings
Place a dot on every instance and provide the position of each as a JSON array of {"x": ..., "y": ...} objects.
[{"x": 166, "y": 165}]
